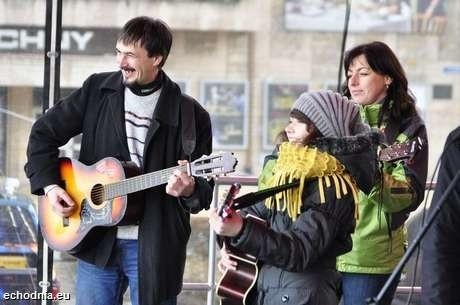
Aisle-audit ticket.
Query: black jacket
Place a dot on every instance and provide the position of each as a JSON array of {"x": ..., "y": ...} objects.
[
  {"x": 299, "y": 257},
  {"x": 441, "y": 245},
  {"x": 97, "y": 111}
]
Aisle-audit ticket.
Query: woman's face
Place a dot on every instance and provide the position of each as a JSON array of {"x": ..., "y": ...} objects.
[
  {"x": 366, "y": 86},
  {"x": 296, "y": 131}
]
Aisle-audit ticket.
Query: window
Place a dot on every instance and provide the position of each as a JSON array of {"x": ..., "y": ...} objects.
[{"x": 442, "y": 92}]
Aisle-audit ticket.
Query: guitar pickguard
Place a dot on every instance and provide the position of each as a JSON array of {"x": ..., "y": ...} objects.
[{"x": 91, "y": 217}]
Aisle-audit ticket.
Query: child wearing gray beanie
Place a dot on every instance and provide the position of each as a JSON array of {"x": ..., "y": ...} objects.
[
  {"x": 309, "y": 225},
  {"x": 344, "y": 135},
  {"x": 333, "y": 114}
]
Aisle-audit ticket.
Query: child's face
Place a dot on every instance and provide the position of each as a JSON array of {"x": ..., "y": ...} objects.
[{"x": 296, "y": 131}]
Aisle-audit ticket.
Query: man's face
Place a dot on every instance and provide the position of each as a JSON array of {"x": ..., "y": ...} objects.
[{"x": 135, "y": 64}]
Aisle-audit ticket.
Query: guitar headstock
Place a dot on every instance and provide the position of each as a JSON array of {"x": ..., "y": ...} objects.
[
  {"x": 228, "y": 200},
  {"x": 214, "y": 165},
  {"x": 400, "y": 151}
]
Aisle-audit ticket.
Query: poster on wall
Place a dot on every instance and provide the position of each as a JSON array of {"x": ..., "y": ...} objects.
[
  {"x": 227, "y": 103},
  {"x": 405, "y": 16},
  {"x": 278, "y": 100}
]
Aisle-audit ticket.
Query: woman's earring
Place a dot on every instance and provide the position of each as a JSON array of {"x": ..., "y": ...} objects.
[{"x": 388, "y": 82}]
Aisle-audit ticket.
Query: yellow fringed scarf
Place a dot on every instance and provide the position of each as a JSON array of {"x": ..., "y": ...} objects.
[{"x": 303, "y": 163}]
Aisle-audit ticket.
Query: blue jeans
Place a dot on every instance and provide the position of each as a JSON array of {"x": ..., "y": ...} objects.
[
  {"x": 358, "y": 287},
  {"x": 107, "y": 285}
]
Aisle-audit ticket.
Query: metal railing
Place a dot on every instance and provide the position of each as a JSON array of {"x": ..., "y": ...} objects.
[{"x": 210, "y": 286}]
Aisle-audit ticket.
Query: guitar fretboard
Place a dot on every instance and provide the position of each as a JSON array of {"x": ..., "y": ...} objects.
[{"x": 139, "y": 183}]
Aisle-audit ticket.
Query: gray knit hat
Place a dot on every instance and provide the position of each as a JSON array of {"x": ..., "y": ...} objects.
[{"x": 333, "y": 114}]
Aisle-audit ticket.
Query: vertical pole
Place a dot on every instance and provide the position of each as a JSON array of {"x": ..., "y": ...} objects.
[
  {"x": 212, "y": 253},
  {"x": 53, "y": 30},
  {"x": 344, "y": 42}
]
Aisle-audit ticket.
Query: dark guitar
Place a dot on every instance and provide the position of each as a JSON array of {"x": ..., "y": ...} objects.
[
  {"x": 101, "y": 193},
  {"x": 400, "y": 151},
  {"x": 236, "y": 286}
]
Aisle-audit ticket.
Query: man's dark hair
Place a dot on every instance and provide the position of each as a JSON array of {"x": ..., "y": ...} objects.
[{"x": 152, "y": 34}]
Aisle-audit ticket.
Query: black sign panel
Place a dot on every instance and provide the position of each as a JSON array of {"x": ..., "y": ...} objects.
[{"x": 31, "y": 39}]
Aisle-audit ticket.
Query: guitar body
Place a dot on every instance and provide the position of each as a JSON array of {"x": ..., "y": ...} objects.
[
  {"x": 236, "y": 286},
  {"x": 80, "y": 181}
]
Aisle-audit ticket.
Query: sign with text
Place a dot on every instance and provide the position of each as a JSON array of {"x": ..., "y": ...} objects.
[
  {"x": 367, "y": 16},
  {"x": 227, "y": 103},
  {"x": 278, "y": 100},
  {"x": 31, "y": 39}
]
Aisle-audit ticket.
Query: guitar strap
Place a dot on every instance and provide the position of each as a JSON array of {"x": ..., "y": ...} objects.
[
  {"x": 255, "y": 197},
  {"x": 188, "y": 125}
]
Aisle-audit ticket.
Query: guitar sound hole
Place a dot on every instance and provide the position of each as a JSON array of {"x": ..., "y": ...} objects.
[{"x": 97, "y": 194}]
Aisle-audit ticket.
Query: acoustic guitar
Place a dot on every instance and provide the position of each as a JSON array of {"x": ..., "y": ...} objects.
[
  {"x": 101, "y": 193},
  {"x": 235, "y": 287},
  {"x": 400, "y": 151}
]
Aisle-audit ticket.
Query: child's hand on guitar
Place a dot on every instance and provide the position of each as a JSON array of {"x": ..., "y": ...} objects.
[
  {"x": 229, "y": 226},
  {"x": 180, "y": 184},
  {"x": 225, "y": 261},
  {"x": 60, "y": 201}
]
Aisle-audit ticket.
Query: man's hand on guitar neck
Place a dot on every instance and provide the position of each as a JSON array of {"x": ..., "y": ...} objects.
[
  {"x": 60, "y": 201},
  {"x": 180, "y": 184}
]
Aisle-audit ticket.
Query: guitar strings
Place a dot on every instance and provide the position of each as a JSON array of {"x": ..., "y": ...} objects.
[{"x": 130, "y": 185}]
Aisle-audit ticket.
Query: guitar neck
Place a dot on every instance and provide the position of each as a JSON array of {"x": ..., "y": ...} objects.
[{"x": 139, "y": 183}]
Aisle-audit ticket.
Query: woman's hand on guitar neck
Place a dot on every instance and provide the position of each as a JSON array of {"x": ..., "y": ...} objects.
[{"x": 60, "y": 201}]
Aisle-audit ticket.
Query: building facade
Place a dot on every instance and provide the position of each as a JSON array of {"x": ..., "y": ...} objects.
[{"x": 245, "y": 60}]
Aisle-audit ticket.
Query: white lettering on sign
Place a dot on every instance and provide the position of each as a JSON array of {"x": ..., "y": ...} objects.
[
  {"x": 9, "y": 39},
  {"x": 23, "y": 39},
  {"x": 81, "y": 39},
  {"x": 26, "y": 39}
]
